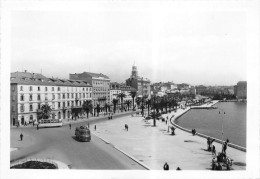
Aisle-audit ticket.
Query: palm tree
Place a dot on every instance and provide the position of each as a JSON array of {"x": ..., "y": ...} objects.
[
  {"x": 45, "y": 112},
  {"x": 121, "y": 96},
  {"x": 87, "y": 106},
  {"x": 138, "y": 102},
  {"x": 133, "y": 95},
  {"x": 115, "y": 101},
  {"x": 128, "y": 102},
  {"x": 148, "y": 103}
]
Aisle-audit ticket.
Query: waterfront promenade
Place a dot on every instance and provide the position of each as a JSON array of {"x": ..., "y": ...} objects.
[{"x": 153, "y": 146}]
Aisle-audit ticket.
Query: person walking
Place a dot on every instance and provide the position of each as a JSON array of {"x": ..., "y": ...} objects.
[
  {"x": 37, "y": 126},
  {"x": 21, "y": 136},
  {"x": 70, "y": 126},
  {"x": 166, "y": 166},
  {"x": 95, "y": 127},
  {"x": 213, "y": 150}
]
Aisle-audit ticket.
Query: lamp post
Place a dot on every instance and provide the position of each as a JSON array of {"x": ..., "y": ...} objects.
[{"x": 222, "y": 129}]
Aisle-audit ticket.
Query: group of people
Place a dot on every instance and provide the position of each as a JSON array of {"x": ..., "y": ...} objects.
[{"x": 166, "y": 167}]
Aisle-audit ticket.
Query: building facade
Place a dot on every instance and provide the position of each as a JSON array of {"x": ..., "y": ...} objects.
[
  {"x": 29, "y": 91},
  {"x": 240, "y": 90},
  {"x": 100, "y": 84},
  {"x": 142, "y": 85}
]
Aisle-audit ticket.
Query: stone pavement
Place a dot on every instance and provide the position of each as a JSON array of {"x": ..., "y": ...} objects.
[{"x": 154, "y": 146}]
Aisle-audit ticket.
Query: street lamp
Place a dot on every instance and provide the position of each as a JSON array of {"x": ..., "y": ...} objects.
[{"x": 222, "y": 129}]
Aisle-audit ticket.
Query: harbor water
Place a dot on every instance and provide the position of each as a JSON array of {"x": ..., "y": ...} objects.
[{"x": 209, "y": 121}]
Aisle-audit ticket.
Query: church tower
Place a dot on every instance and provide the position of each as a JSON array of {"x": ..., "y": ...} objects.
[{"x": 134, "y": 72}]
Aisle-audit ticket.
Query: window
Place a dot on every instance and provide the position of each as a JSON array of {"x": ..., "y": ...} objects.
[
  {"x": 46, "y": 88},
  {"x": 63, "y": 96},
  {"x": 68, "y": 95},
  {"x": 53, "y": 105},
  {"x": 31, "y": 107},
  {"x": 21, "y": 88},
  {"x": 38, "y": 97},
  {"x": 83, "y": 95},
  {"x": 83, "y": 89},
  {"x": 53, "y": 96},
  {"x": 64, "y": 105},
  {"x": 22, "y": 108},
  {"x": 58, "y": 96},
  {"x": 39, "y": 88},
  {"x": 79, "y": 95},
  {"x": 90, "y": 95},
  {"x": 72, "y": 103},
  {"x": 52, "y": 88},
  {"x": 58, "y": 88},
  {"x": 72, "y": 95},
  {"x": 30, "y": 97},
  {"x": 13, "y": 110},
  {"x": 13, "y": 97},
  {"x": 39, "y": 105},
  {"x": 30, "y": 88},
  {"x": 22, "y": 97},
  {"x": 58, "y": 104},
  {"x": 68, "y": 103}
]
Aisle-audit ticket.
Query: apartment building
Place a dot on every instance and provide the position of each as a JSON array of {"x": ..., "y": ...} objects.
[{"x": 29, "y": 91}]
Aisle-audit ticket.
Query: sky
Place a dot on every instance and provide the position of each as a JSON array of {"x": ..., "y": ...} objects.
[{"x": 195, "y": 47}]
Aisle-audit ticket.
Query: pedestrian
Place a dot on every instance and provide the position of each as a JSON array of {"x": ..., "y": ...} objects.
[
  {"x": 126, "y": 127},
  {"x": 111, "y": 117},
  {"x": 21, "y": 136},
  {"x": 37, "y": 126},
  {"x": 95, "y": 127},
  {"x": 108, "y": 117},
  {"x": 213, "y": 150},
  {"x": 70, "y": 126},
  {"x": 33, "y": 123},
  {"x": 224, "y": 148},
  {"x": 166, "y": 166}
]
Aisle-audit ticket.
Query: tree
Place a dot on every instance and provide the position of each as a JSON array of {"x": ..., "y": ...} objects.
[
  {"x": 115, "y": 101},
  {"x": 148, "y": 103},
  {"x": 128, "y": 104},
  {"x": 138, "y": 101},
  {"x": 133, "y": 95},
  {"x": 87, "y": 106},
  {"x": 121, "y": 96},
  {"x": 106, "y": 107},
  {"x": 45, "y": 111},
  {"x": 98, "y": 109}
]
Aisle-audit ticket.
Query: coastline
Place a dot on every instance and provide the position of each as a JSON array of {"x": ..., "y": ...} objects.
[{"x": 204, "y": 106}]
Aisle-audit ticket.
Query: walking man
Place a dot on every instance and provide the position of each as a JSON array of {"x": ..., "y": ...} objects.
[
  {"x": 166, "y": 166},
  {"x": 21, "y": 136},
  {"x": 37, "y": 126},
  {"x": 70, "y": 126},
  {"x": 213, "y": 150},
  {"x": 95, "y": 127}
]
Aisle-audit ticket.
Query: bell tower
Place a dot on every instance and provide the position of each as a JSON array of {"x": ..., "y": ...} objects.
[{"x": 134, "y": 72}]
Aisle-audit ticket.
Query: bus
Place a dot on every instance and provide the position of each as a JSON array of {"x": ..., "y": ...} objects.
[{"x": 83, "y": 133}]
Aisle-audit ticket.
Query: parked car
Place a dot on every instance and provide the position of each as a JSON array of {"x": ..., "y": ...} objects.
[{"x": 83, "y": 133}]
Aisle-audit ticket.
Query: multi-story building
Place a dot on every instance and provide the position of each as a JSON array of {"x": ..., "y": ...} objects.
[
  {"x": 29, "y": 91},
  {"x": 100, "y": 84},
  {"x": 114, "y": 91},
  {"x": 240, "y": 90},
  {"x": 142, "y": 85},
  {"x": 200, "y": 89}
]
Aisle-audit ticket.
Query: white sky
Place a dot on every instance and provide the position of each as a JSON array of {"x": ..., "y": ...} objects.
[{"x": 196, "y": 47}]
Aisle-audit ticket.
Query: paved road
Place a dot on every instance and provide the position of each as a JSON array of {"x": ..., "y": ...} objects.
[{"x": 60, "y": 144}]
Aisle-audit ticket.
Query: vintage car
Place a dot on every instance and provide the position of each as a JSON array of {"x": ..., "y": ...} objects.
[{"x": 83, "y": 133}]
